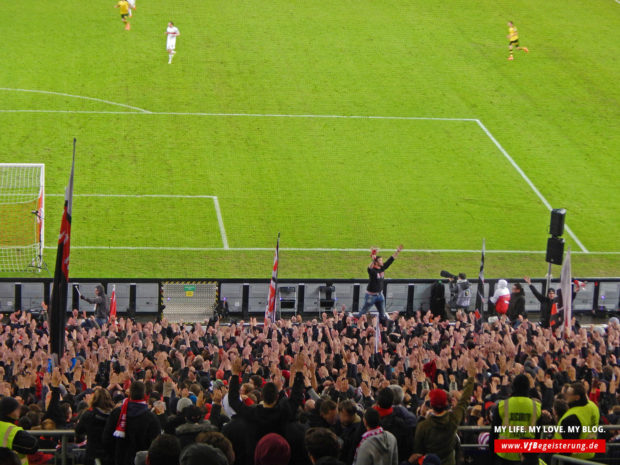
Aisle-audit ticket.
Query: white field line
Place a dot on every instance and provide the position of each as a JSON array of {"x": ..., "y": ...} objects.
[
  {"x": 528, "y": 181},
  {"x": 269, "y": 115},
  {"x": 93, "y": 99},
  {"x": 313, "y": 249},
  {"x": 173, "y": 196},
  {"x": 250, "y": 115},
  {"x": 218, "y": 212},
  {"x": 216, "y": 204}
]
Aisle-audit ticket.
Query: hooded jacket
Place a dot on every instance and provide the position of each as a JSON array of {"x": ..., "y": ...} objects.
[
  {"x": 187, "y": 432},
  {"x": 142, "y": 428},
  {"x": 378, "y": 450},
  {"x": 437, "y": 433},
  {"x": 92, "y": 423},
  {"x": 501, "y": 297},
  {"x": 516, "y": 306}
]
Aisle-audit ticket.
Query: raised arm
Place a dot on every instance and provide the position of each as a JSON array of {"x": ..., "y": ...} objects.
[
  {"x": 535, "y": 291},
  {"x": 395, "y": 254}
]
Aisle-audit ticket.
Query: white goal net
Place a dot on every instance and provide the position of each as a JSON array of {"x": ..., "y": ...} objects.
[{"x": 22, "y": 191}]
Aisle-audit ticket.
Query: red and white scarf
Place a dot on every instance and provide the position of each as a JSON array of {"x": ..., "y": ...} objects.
[
  {"x": 121, "y": 425},
  {"x": 366, "y": 435}
]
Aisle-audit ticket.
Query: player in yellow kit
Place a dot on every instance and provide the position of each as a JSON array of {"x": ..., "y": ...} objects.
[
  {"x": 124, "y": 6},
  {"x": 513, "y": 40}
]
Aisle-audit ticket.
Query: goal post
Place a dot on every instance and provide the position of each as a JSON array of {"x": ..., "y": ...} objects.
[{"x": 22, "y": 216}]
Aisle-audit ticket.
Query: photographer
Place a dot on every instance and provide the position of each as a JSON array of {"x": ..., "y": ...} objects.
[{"x": 460, "y": 293}]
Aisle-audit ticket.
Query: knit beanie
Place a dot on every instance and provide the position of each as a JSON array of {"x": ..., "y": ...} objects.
[
  {"x": 202, "y": 454},
  {"x": 272, "y": 449},
  {"x": 7, "y": 406}
]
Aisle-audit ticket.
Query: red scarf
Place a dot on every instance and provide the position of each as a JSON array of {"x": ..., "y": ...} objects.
[
  {"x": 121, "y": 425},
  {"x": 366, "y": 435},
  {"x": 384, "y": 411}
]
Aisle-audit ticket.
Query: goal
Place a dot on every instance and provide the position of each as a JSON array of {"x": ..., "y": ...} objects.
[{"x": 22, "y": 207}]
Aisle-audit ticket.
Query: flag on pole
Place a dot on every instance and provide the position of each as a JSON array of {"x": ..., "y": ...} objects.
[
  {"x": 113, "y": 304},
  {"x": 270, "y": 311},
  {"x": 480, "y": 292},
  {"x": 378, "y": 348},
  {"x": 58, "y": 306},
  {"x": 566, "y": 284}
]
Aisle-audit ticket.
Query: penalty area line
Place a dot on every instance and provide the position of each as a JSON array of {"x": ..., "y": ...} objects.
[{"x": 216, "y": 205}]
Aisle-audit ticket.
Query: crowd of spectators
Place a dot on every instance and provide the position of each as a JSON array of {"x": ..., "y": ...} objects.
[{"x": 324, "y": 391}]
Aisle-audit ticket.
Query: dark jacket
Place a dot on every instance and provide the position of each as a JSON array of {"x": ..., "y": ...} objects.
[
  {"x": 268, "y": 420},
  {"x": 101, "y": 303},
  {"x": 438, "y": 300},
  {"x": 142, "y": 428},
  {"x": 351, "y": 436},
  {"x": 376, "y": 276},
  {"x": 403, "y": 434},
  {"x": 92, "y": 423},
  {"x": 187, "y": 432},
  {"x": 516, "y": 306},
  {"x": 54, "y": 411},
  {"x": 242, "y": 435},
  {"x": 545, "y": 306},
  {"x": 437, "y": 434},
  {"x": 23, "y": 442}
]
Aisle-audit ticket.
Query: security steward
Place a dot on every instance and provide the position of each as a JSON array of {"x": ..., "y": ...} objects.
[
  {"x": 11, "y": 436},
  {"x": 518, "y": 414},
  {"x": 581, "y": 420}
]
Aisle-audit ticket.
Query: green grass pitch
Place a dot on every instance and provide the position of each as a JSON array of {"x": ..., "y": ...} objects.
[{"x": 342, "y": 125}]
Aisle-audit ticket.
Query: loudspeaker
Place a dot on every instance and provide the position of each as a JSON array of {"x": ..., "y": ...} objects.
[
  {"x": 555, "y": 250},
  {"x": 556, "y": 227}
]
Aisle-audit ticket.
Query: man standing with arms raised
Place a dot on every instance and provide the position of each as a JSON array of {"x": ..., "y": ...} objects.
[{"x": 374, "y": 290}]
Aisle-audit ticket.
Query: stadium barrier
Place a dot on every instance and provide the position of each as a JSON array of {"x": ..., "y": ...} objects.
[
  {"x": 64, "y": 435},
  {"x": 197, "y": 299}
]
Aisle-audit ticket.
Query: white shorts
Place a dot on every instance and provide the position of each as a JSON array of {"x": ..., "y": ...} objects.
[{"x": 171, "y": 43}]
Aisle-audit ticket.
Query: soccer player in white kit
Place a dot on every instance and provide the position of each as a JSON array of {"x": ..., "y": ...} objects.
[
  {"x": 172, "y": 33},
  {"x": 132, "y": 6}
]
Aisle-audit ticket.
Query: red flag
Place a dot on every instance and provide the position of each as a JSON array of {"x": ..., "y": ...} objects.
[
  {"x": 477, "y": 314},
  {"x": 113, "y": 304},
  {"x": 270, "y": 310},
  {"x": 58, "y": 304},
  {"x": 555, "y": 317}
]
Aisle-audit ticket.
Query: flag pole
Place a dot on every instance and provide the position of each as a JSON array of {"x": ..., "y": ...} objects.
[
  {"x": 58, "y": 303},
  {"x": 270, "y": 308},
  {"x": 480, "y": 291},
  {"x": 275, "y": 305}
]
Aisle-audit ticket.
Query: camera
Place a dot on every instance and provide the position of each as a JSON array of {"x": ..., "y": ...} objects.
[{"x": 447, "y": 274}]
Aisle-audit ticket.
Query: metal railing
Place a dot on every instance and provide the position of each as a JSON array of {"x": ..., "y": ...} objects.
[
  {"x": 560, "y": 459},
  {"x": 64, "y": 434}
]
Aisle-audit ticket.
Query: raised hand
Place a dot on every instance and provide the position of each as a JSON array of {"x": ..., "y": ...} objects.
[{"x": 237, "y": 366}]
